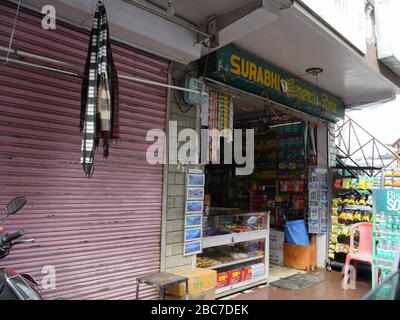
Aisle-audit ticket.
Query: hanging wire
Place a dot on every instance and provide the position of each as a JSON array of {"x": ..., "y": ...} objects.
[
  {"x": 177, "y": 100},
  {"x": 12, "y": 34},
  {"x": 94, "y": 7}
]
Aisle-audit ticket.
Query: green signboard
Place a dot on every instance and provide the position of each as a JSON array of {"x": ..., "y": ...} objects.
[
  {"x": 242, "y": 71},
  {"x": 387, "y": 201}
]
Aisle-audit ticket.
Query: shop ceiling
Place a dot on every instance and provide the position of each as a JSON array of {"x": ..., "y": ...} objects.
[
  {"x": 296, "y": 41},
  {"x": 291, "y": 38}
]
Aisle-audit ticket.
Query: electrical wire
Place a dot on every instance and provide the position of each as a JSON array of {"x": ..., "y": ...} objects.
[
  {"x": 178, "y": 103},
  {"x": 12, "y": 33}
]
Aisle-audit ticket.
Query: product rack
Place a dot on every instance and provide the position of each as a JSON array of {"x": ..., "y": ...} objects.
[
  {"x": 233, "y": 238},
  {"x": 386, "y": 236},
  {"x": 277, "y": 210},
  {"x": 339, "y": 257}
]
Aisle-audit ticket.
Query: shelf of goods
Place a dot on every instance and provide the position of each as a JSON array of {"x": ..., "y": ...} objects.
[
  {"x": 386, "y": 242},
  {"x": 278, "y": 181},
  {"x": 349, "y": 206},
  {"x": 280, "y": 196},
  {"x": 240, "y": 258},
  {"x": 391, "y": 178},
  {"x": 386, "y": 229}
]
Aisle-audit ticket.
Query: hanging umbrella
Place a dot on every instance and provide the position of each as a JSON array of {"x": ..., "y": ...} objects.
[{"x": 99, "y": 118}]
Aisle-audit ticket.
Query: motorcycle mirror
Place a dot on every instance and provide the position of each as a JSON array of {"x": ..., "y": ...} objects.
[{"x": 15, "y": 205}]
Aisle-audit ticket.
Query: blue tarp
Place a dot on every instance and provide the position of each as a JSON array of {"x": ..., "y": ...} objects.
[{"x": 296, "y": 233}]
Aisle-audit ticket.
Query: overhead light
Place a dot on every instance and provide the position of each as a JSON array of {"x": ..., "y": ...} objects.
[
  {"x": 314, "y": 71},
  {"x": 284, "y": 124}
]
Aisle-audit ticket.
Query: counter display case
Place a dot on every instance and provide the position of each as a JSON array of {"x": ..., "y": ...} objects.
[
  {"x": 236, "y": 244},
  {"x": 228, "y": 221}
]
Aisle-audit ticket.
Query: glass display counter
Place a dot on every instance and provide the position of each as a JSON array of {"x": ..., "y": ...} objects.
[
  {"x": 236, "y": 244},
  {"x": 229, "y": 221}
]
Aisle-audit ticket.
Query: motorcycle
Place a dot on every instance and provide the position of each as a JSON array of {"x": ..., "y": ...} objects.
[{"x": 15, "y": 286}]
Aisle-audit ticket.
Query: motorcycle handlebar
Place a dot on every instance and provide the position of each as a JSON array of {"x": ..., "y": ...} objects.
[{"x": 13, "y": 236}]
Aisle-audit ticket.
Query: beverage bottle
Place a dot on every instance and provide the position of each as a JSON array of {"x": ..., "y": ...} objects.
[
  {"x": 377, "y": 219},
  {"x": 396, "y": 223},
  {"x": 388, "y": 250},
  {"x": 379, "y": 249},
  {"x": 389, "y": 222},
  {"x": 382, "y": 221}
]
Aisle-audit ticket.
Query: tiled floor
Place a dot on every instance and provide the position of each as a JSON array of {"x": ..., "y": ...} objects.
[
  {"x": 329, "y": 289},
  {"x": 279, "y": 272}
]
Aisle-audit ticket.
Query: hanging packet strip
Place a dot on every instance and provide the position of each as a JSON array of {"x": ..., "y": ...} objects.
[
  {"x": 231, "y": 119},
  {"x": 226, "y": 112},
  {"x": 204, "y": 115},
  {"x": 221, "y": 111},
  {"x": 214, "y": 141}
]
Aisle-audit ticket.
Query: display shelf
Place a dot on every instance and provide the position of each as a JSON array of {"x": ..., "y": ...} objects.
[
  {"x": 389, "y": 233},
  {"x": 356, "y": 207},
  {"x": 231, "y": 238},
  {"x": 292, "y": 192},
  {"x": 289, "y": 135},
  {"x": 384, "y": 260},
  {"x": 290, "y": 178},
  {"x": 383, "y": 267},
  {"x": 291, "y": 159},
  {"x": 231, "y": 263},
  {"x": 240, "y": 286},
  {"x": 261, "y": 235},
  {"x": 290, "y": 148},
  {"x": 385, "y": 242}
]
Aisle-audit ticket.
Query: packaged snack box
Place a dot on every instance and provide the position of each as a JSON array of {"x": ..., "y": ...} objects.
[
  {"x": 246, "y": 273},
  {"x": 234, "y": 276},
  {"x": 222, "y": 279}
]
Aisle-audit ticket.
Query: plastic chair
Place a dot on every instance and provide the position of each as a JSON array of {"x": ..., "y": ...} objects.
[{"x": 364, "y": 253}]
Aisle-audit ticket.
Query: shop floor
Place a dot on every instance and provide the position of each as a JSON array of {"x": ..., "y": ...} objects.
[
  {"x": 299, "y": 281},
  {"x": 278, "y": 272},
  {"x": 329, "y": 289}
]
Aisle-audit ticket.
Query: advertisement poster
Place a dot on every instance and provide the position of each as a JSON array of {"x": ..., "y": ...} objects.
[
  {"x": 191, "y": 248},
  {"x": 193, "y": 220},
  {"x": 195, "y": 180},
  {"x": 194, "y": 193},
  {"x": 193, "y": 234},
  {"x": 194, "y": 207}
]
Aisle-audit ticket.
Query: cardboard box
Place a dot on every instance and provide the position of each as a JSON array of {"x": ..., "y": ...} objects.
[
  {"x": 208, "y": 294},
  {"x": 276, "y": 239},
  {"x": 300, "y": 257},
  {"x": 199, "y": 280},
  {"x": 276, "y": 256},
  {"x": 234, "y": 276}
]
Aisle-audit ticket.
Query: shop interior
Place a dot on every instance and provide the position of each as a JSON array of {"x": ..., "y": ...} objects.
[{"x": 242, "y": 211}]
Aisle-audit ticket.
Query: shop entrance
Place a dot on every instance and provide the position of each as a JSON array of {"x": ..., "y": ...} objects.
[
  {"x": 278, "y": 181},
  {"x": 245, "y": 215}
]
